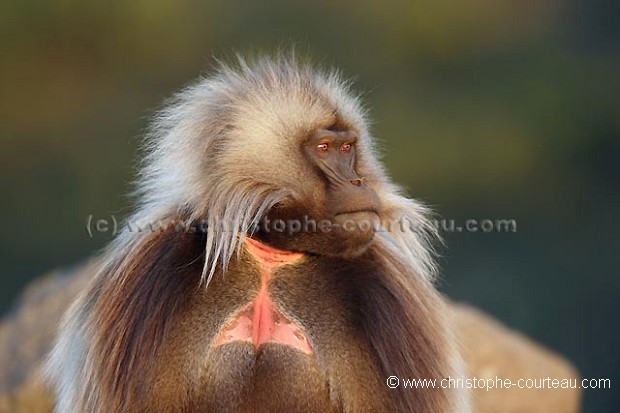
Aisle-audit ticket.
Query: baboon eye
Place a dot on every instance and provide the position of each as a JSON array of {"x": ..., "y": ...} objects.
[
  {"x": 323, "y": 147},
  {"x": 346, "y": 147}
]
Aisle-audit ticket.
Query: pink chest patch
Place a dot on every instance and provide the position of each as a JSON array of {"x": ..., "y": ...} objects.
[{"x": 261, "y": 321}]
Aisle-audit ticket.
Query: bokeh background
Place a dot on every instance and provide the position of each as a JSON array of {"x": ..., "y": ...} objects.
[{"x": 489, "y": 109}]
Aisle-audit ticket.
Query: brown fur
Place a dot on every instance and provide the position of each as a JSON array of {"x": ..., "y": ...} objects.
[
  {"x": 492, "y": 350},
  {"x": 140, "y": 310},
  {"x": 489, "y": 349},
  {"x": 132, "y": 315},
  {"x": 26, "y": 337}
]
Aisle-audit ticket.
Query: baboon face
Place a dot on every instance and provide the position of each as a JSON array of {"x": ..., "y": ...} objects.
[{"x": 340, "y": 213}]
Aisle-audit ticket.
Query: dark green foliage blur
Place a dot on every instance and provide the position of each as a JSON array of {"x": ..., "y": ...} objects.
[{"x": 485, "y": 109}]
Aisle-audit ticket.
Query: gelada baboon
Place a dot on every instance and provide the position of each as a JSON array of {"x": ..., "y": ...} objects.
[
  {"x": 266, "y": 268},
  {"x": 282, "y": 293}
]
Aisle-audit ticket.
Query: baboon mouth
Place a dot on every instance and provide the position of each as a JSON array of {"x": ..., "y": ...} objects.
[{"x": 359, "y": 211}]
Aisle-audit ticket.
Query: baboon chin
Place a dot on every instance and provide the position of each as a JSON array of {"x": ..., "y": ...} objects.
[{"x": 298, "y": 291}]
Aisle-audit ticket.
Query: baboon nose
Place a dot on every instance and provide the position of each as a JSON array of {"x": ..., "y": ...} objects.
[{"x": 357, "y": 181}]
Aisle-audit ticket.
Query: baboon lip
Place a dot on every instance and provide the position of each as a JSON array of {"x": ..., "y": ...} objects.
[{"x": 358, "y": 211}]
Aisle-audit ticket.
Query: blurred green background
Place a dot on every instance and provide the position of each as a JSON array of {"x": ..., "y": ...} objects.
[{"x": 485, "y": 109}]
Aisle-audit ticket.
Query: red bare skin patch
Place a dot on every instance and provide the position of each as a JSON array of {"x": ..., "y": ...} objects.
[{"x": 261, "y": 321}]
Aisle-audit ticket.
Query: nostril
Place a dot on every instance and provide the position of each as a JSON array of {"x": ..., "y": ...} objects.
[{"x": 357, "y": 181}]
